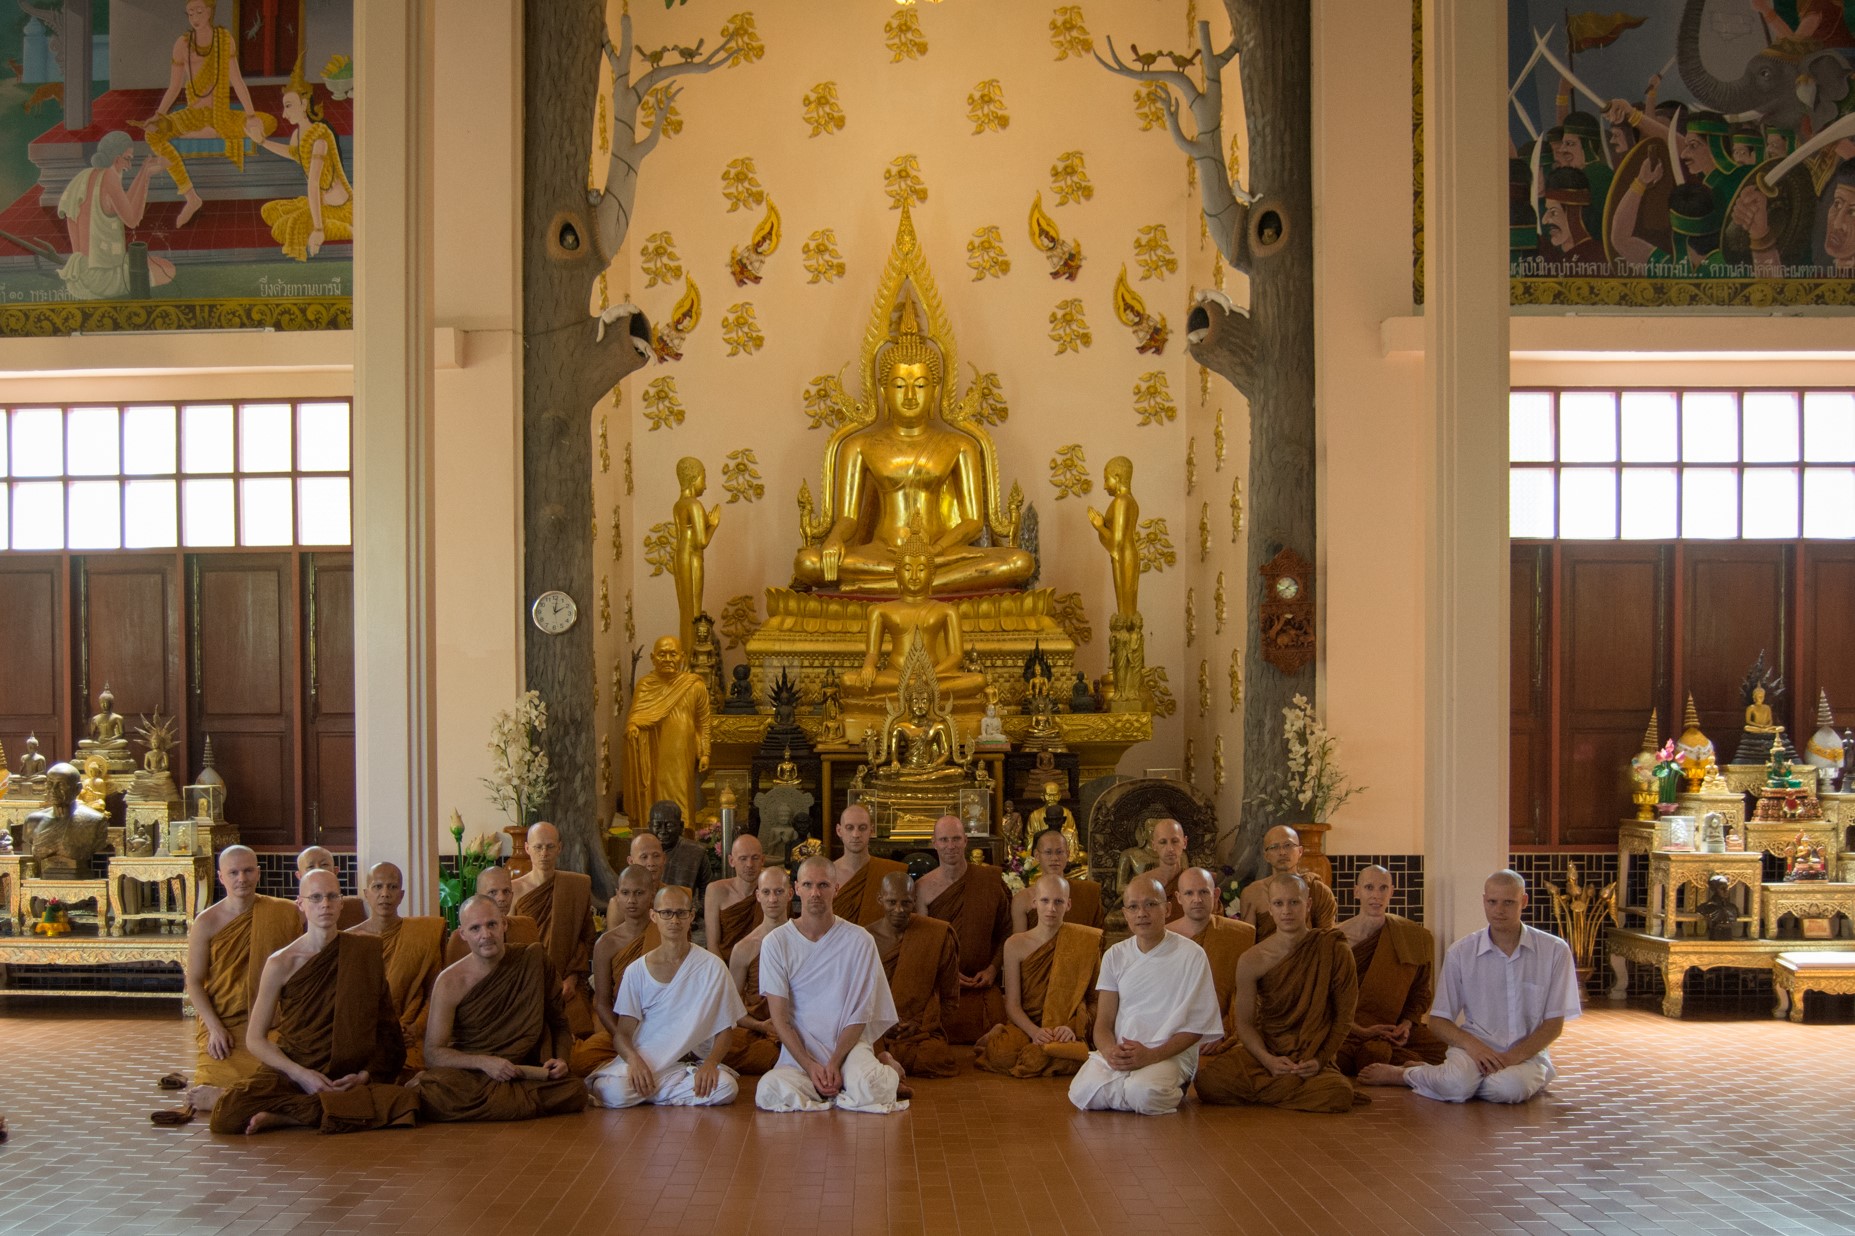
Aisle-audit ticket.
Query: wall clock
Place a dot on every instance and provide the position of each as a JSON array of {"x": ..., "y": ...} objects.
[
  {"x": 1285, "y": 614},
  {"x": 554, "y": 612}
]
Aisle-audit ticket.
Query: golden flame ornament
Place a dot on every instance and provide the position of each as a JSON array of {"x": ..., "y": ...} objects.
[
  {"x": 1150, "y": 333},
  {"x": 744, "y": 265},
  {"x": 1065, "y": 257},
  {"x": 667, "y": 338}
]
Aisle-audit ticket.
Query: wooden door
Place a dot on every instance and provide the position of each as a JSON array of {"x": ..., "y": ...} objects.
[
  {"x": 1530, "y": 792},
  {"x": 128, "y": 639},
  {"x": 1827, "y": 635},
  {"x": 242, "y": 645},
  {"x": 1734, "y": 600},
  {"x": 32, "y": 656},
  {"x": 328, "y": 714}
]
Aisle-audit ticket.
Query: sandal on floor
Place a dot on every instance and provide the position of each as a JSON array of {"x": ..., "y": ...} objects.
[
  {"x": 169, "y": 1117},
  {"x": 173, "y": 1081}
]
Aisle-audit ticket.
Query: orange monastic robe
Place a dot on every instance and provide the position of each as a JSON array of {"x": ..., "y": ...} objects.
[
  {"x": 737, "y": 920},
  {"x": 1055, "y": 986},
  {"x": 923, "y": 967},
  {"x": 1395, "y": 984},
  {"x": 514, "y": 1012},
  {"x": 235, "y": 962},
  {"x": 414, "y": 954},
  {"x": 520, "y": 929},
  {"x": 1304, "y": 1007},
  {"x": 978, "y": 907},
  {"x": 856, "y": 897},
  {"x": 753, "y": 1053},
  {"x": 597, "y": 1048},
  {"x": 563, "y": 911}
]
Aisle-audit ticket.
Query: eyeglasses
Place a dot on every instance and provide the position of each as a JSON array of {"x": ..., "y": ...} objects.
[
  {"x": 675, "y": 916},
  {"x": 1281, "y": 845}
]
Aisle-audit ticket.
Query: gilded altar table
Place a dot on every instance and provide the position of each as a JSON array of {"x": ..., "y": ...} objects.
[
  {"x": 1674, "y": 872},
  {"x": 195, "y": 871},
  {"x": 14, "y": 868},
  {"x": 1635, "y": 840},
  {"x": 1796, "y": 974},
  {"x": 1809, "y": 899},
  {"x": 72, "y": 893},
  {"x": 1674, "y": 958}
]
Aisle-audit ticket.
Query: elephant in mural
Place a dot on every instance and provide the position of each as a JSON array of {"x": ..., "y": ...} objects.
[{"x": 1788, "y": 82}]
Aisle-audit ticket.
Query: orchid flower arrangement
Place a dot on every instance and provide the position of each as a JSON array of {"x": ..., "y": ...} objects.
[{"x": 1314, "y": 786}]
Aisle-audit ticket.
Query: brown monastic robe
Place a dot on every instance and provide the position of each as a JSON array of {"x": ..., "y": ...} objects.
[
  {"x": 1323, "y": 910},
  {"x": 334, "y": 1015},
  {"x": 856, "y": 898},
  {"x": 597, "y": 1049},
  {"x": 353, "y": 913},
  {"x": 1084, "y": 907},
  {"x": 753, "y": 1053},
  {"x": 235, "y": 962},
  {"x": 518, "y": 929},
  {"x": 1174, "y": 911},
  {"x": 563, "y": 910},
  {"x": 923, "y": 967},
  {"x": 1055, "y": 988},
  {"x": 1304, "y": 1007},
  {"x": 737, "y": 920},
  {"x": 1224, "y": 941},
  {"x": 515, "y": 1012},
  {"x": 413, "y": 949},
  {"x": 978, "y": 907},
  {"x": 1396, "y": 984}
]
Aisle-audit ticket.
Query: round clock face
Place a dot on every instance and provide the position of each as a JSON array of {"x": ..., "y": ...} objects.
[
  {"x": 1287, "y": 587},
  {"x": 554, "y": 612}
]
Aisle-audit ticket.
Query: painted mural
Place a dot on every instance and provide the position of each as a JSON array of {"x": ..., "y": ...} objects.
[
  {"x": 176, "y": 165},
  {"x": 1682, "y": 153}
]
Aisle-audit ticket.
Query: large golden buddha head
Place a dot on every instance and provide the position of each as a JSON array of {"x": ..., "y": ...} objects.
[{"x": 910, "y": 372}]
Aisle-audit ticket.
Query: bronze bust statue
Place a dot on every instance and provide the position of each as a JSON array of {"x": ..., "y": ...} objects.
[
  {"x": 65, "y": 834},
  {"x": 1718, "y": 911}
]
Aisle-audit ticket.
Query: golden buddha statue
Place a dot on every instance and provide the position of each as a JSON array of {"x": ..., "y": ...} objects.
[
  {"x": 106, "y": 736},
  {"x": 1758, "y": 714},
  {"x": 1043, "y": 818},
  {"x": 917, "y": 739},
  {"x": 96, "y": 787},
  {"x": 666, "y": 733},
  {"x": 1119, "y": 530},
  {"x": 914, "y": 614},
  {"x": 786, "y": 772},
  {"x": 694, "y": 526}
]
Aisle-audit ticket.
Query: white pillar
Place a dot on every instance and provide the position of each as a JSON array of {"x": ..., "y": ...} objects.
[
  {"x": 394, "y": 768},
  {"x": 1465, "y": 395}
]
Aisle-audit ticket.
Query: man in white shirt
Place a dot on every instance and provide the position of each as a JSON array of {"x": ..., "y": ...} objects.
[
  {"x": 1507, "y": 992},
  {"x": 829, "y": 1000},
  {"x": 678, "y": 1002},
  {"x": 1157, "y": 1005}
]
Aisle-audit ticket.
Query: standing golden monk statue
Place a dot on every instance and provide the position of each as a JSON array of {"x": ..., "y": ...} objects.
[
  {"x": 667, "y": 732},
  {"x": 694, "y": 526},
  {"x": 1119, "y": 530}
]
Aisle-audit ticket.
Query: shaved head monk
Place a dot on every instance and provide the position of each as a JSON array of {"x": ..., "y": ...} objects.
[
  {"x": 729, "y": 910},
  {"x": 676, "y": 1004},
  {"x": 1295, "y": 996},
  {"x": 414, "y": 952},
  {"x": 858, "y": 873},
  {"x": 756, "y": 1047},
  {"x": 561, "y": 903},
  {"x": 973, "y": 900},
  {"x": 226, "y": 949},
  {"x": 499, "y": 886},
  {"x": 1281, "y": 847},
  {"x": 325, "y": 996},
  {"x": 922, "y": 962},
  {"x": 631, "y": 932},
  {"x": 1224, "y": 941},
  {"x": 646, "y": 852},
  {"x": 497, "y": 1040},
  {"x": 316, "y": 858},
  {"x": 1051, "y": 851},
  {"x": 829, "y": 1002},
  {"x": 1049, "y": 976},
  {"x": 1395, "y": 959},
  {"x": 1169, "y": 847},
  {"x": 1156, "y": 1004}
]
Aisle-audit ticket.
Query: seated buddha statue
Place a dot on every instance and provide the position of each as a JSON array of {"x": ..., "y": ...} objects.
[
  {"x": 106, "y": 736},
  {"x": 1758, "y": 714},
  {"x": 1053, "y": 814},
  {"x": 920, "y": 741},
  {"x": 896, "y": 624}
]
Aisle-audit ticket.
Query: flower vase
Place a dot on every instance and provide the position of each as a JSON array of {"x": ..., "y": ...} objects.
[
  {"x": 519, "y": 863},
  {"x": 1314, "y": 860}
]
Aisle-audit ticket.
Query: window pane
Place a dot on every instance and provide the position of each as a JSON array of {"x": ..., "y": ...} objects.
[
  {"x": 1829, "y": 502},
  {"x": 1770, "y": 502},
  {"x": 1529, "y": 427},
  {"x": 95, "y": 515},
  {"x": 1588, "y": 426},
  {"x": 1649, "y": 427},
  {"x": 1529, "y": 502},
  {"x": 264, "y": 437},
  {"x": 264, "y": 512},
  {"x": 1710, "y": 502},
  {"x": 38, "y": 442},
  {"x": 1771, "y": 426},
  {"x": 152, "y": 521},
  {"x": 93, "y": 446},
  {"x": 322, "y": 437},
  {"x": 38, "y": 515},
  {"x": 1709, "y": 427},
  {"x": 3, "y": 454},
  {"x": 1588, "y": 503},
  {"x": 6, "y": 513},
  {"x": 322, "y": 511},
  {"x": 1828, "y": 426},
  {"x": 206, "y": 513},
  {"x": 1649, "y": 504},
  {"x": 148, "y": 446},
  {"x": 206, "y": 441}
]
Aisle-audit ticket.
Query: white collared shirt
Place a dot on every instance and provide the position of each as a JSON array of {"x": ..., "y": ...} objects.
[{"x": 1501, "y": 998}]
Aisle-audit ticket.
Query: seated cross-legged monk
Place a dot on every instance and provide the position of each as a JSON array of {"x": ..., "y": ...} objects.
[
  {"x": 1156, "y": 1004},
  {"x": 973, "y": 900},
  {"x": 496, "y": 884},
  {"x": 1051, "y": 850},
  {"x": 414, "y": 951},
  {"x": 1224, "y": 941},
  {"x": 1506, "y": 994},
  {"x": 923, "y": 966},
  {"x": 317, "y": 858},
  {"x": 676, "y": 1013},
  {"x": 630, "y": 933},
  {"x": 756, "y": 1043},
  {"x": 1281, "y": 846},
  {"x": 1049, "y": 973},
  {"x": 497, "y": 1040},
  {"x": 561, "y": 903},
  {"x": 858, "y": 873},
  {"x": 1394, "y": 958},
  {"x": 1169, "y": 847},
  {"x": 730, "y": 910},
  {"x": 325, "y": 996},
  {"x": 1295, "y": 997},
  {"x": 829, "y": 1001}
]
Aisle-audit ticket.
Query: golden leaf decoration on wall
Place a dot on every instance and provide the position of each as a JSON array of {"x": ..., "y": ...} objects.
[
  {"x": 662, "y": 408},
  {"x": 659, "y": 110},
  {"x": 1236, "y": 508},
  {"x": 1068, "y": 33},
  {"x": 605, "y": 446},
  {"x": 595, "y": 526},
  {"x": 605, "y": 605},
  {"x": 740, "y": 184},
  {"x": 740, "y": 476},
  {"x": 1217, "y": 439},
  {"x": 1067, "y": 612},
  {"x": 823, "y": 112},
  {"x": 1217, "y": 272},
  {"x": 1159, "y": 691},
  {"x": 618, "y": 535},
  {"x": 740, "y": 618},
  {"x": 1191, "y": 616},
  {"x": 747, "y": 44},
  {"x": 1234, "y": 163},
  {"x": 605, "y": 752},
  {"x": 605, "y": 127},
  {"x": 989, "y": 407},
  {"x": 1204, "y": 230},
  {"x": 1217, "y": 765},
  {"x": 740, "y": 330},
  {"x": 1204, "y": 531},
  {"x": 1236, "y": 679},
  {"x": 985, "y": 254},
  {"x": 1191, "y": 175},
  {"x": 903, "y": 36},
  {"x": 1069, "y": 472},
  {"x": 631, "y": 624},
  {"x": 826, "y": 412},
  {"x": 596, "y": 697},
  {"x": 627, "y": 469},
  {"x": 1155, "y": 541},
  {"x": 1191, "y": 464},
  {"x": 1204, "y": 688},
  {"x": 618, "y": 683},
  {"x": 902, "y": 181},
  {"x": 1204, "y": 381},
  {"x": 1069, "y": 327},
  {"x": 1218, "y": 603},
  {"x": 1191, "y": 763},
  {"x": 1150, "y": 106},
  {"x": 1069, "y": 179},
  {"x": 659, "y": 544},
  {"x": 1153, "y": 399},
  {"x": 1153, "y": 251},
  {"x": 823, "y": 262},
  {"x": 985, "y": 107}
]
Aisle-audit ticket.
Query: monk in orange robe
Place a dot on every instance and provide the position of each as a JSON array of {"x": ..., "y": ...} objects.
[
  {"x": 631, "y": 935},
  {"x": 414, "y": 952},
  {"x": 756, "y": 1042},
  {"x": 496, "y": 884},
  {"x": 1051, "y": 851},
  {"x": 1224, "y": 941},
  {"x": 922, "y": 964},
  {"x": 1281, "y": 846},
  {"x": 561, "y": 903},
  {"x": 1169, "y": 847},
  {"x": 1395, "y": 959},
  {"x": 318, "y": 858},
  {"x": 730, "y": 910},
  {"x": 1049, "y": 972},
  {"x": 972, "y": 898},
  {"x": 859, "y": 875}
]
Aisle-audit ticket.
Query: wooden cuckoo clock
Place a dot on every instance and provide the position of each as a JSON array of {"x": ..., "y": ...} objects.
[{"x": 1286, "y": 613}]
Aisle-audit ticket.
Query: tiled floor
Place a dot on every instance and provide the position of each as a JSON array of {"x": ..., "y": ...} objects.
[{"x": 1697, "y": 1126}]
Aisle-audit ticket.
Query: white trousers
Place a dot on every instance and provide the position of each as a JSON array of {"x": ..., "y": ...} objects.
[
  {"x": 1459, "y": 1079},
  {"x": 610, "y": 1086},
  {"x": 1155, "y": 1090},
  {"x": 869, "y": 1086}
]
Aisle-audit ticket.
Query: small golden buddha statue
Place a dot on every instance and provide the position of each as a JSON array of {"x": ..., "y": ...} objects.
[
  {"x": 914, "y": 613},
  {"x": 1758, "y": 714},
  {"x": 106, "y": 735},
  {"x": 917, "y": 740},
  {"x": 694, "y": 526},
  {"x": 921, "y": 741},
  {"x": 1042, "y": 819},
  {"x": 96, "y": 783},
  {"x": 1119, "y": 530},
  {"x": 831, "y": 708},
  {"x": 786, "y": 772},
  {"x": 1136, "y": 858}
]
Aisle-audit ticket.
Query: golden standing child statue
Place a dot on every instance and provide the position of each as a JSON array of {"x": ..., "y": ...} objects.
[{"x": 694, "y": 527}]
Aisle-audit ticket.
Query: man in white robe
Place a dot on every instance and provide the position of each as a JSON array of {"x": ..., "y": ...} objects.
[
  {"x": 1158, "y": 1003},
  {"x": 829, "y": 1001},
  {"x": 676, "y": 1014}
]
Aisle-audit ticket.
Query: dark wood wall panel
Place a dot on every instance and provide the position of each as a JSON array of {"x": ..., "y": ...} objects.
[
  {"x": 30, "y": 593},
  {"x": 245, "y": 693},
  {"x": 1734, "y": 601},
  {"x": 333, "y": 819},
  {"x": 129, "y": 637},
  {"x": 1530, "y": 754},
  {"x": 243, "y": 616},
  {"x": 1826, "y": 659},
  {"x": 328, "y": 653},
  {"x": 259, "y": 797}
]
